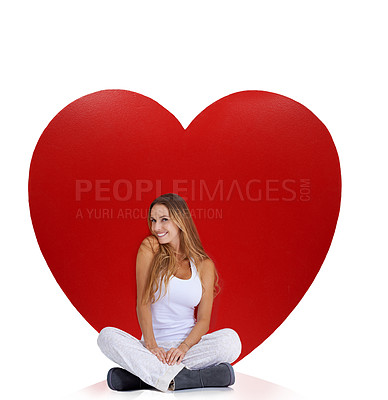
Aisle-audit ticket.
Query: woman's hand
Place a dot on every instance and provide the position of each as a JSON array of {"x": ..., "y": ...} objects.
[
  {"x": 176, "y": 355},
  {"x": 158, "y": 352}
]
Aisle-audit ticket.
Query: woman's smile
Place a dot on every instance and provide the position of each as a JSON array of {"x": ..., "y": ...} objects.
[{"x": 162, "y": 234}]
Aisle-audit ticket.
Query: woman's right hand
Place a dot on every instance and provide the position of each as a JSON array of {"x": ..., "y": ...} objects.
[{"x": 158, "y": 352}]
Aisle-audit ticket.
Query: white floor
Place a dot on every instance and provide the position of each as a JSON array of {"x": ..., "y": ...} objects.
[{"x": 245, "y": 388}]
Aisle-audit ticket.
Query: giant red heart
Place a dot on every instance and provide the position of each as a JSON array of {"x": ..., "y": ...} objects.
[{"x": 259, "y": 172}]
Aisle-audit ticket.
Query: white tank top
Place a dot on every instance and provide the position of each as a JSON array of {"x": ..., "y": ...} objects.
[{"x": 173, "y": 314}]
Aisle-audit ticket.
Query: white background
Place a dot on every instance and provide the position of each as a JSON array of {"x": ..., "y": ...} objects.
[{"x": 328, "y": 55}]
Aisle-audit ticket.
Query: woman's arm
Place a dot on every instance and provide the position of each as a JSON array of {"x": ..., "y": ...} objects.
[
  {"x": 143, "y": 262},
  {"x": 203, "y": 315}
]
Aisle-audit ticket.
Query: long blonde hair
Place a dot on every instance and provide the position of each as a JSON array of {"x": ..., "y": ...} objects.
[{"x": 164, "y": 264}]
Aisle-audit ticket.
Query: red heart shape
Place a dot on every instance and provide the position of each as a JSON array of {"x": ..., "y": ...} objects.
[{"x": 259, "y": 172}]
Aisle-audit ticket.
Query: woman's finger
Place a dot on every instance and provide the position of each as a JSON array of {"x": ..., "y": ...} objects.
[
  {"x": 156, "y": 353},
  {"x": 182, "y": 356},
  {"x": 178, "y": 356},
  {"x": 161, "y": 355},
  {"x": 168, "y": 358},
  {"x": 169, "y": 354},
  {"x": 173, "y": 357}
]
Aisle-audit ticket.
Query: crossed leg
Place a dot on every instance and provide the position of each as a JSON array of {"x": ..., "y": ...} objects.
[{"x": 130, "y": 353}]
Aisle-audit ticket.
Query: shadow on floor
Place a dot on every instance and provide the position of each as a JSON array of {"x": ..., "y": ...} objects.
[{"x": 246, "y": 388}]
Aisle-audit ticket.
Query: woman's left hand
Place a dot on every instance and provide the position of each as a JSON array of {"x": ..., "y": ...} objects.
[{"x": 176, "y": 355}]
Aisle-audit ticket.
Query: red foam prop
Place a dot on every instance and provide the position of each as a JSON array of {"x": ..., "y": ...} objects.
[{"x": 259, "y": 172}]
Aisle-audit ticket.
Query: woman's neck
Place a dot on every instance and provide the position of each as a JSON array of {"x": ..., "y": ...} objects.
[{"x": 180, "y": 257}]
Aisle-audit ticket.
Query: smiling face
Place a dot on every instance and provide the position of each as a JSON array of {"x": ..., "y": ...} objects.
[{"x": 163, "y": 227}]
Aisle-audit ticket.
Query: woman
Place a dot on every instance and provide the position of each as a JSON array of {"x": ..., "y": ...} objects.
[{"x": 173, "y": 276}]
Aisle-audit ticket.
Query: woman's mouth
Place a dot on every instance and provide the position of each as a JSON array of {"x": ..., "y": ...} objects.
[{"x": 162, "y": 234}]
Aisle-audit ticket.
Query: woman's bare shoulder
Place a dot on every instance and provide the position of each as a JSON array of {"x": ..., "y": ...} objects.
[
  {"x": 150, "y": 243},
  {"x": 206, "y": 265}
]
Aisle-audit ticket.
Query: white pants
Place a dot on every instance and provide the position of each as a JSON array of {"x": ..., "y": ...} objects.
[{"x": 130, "y": 353}]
